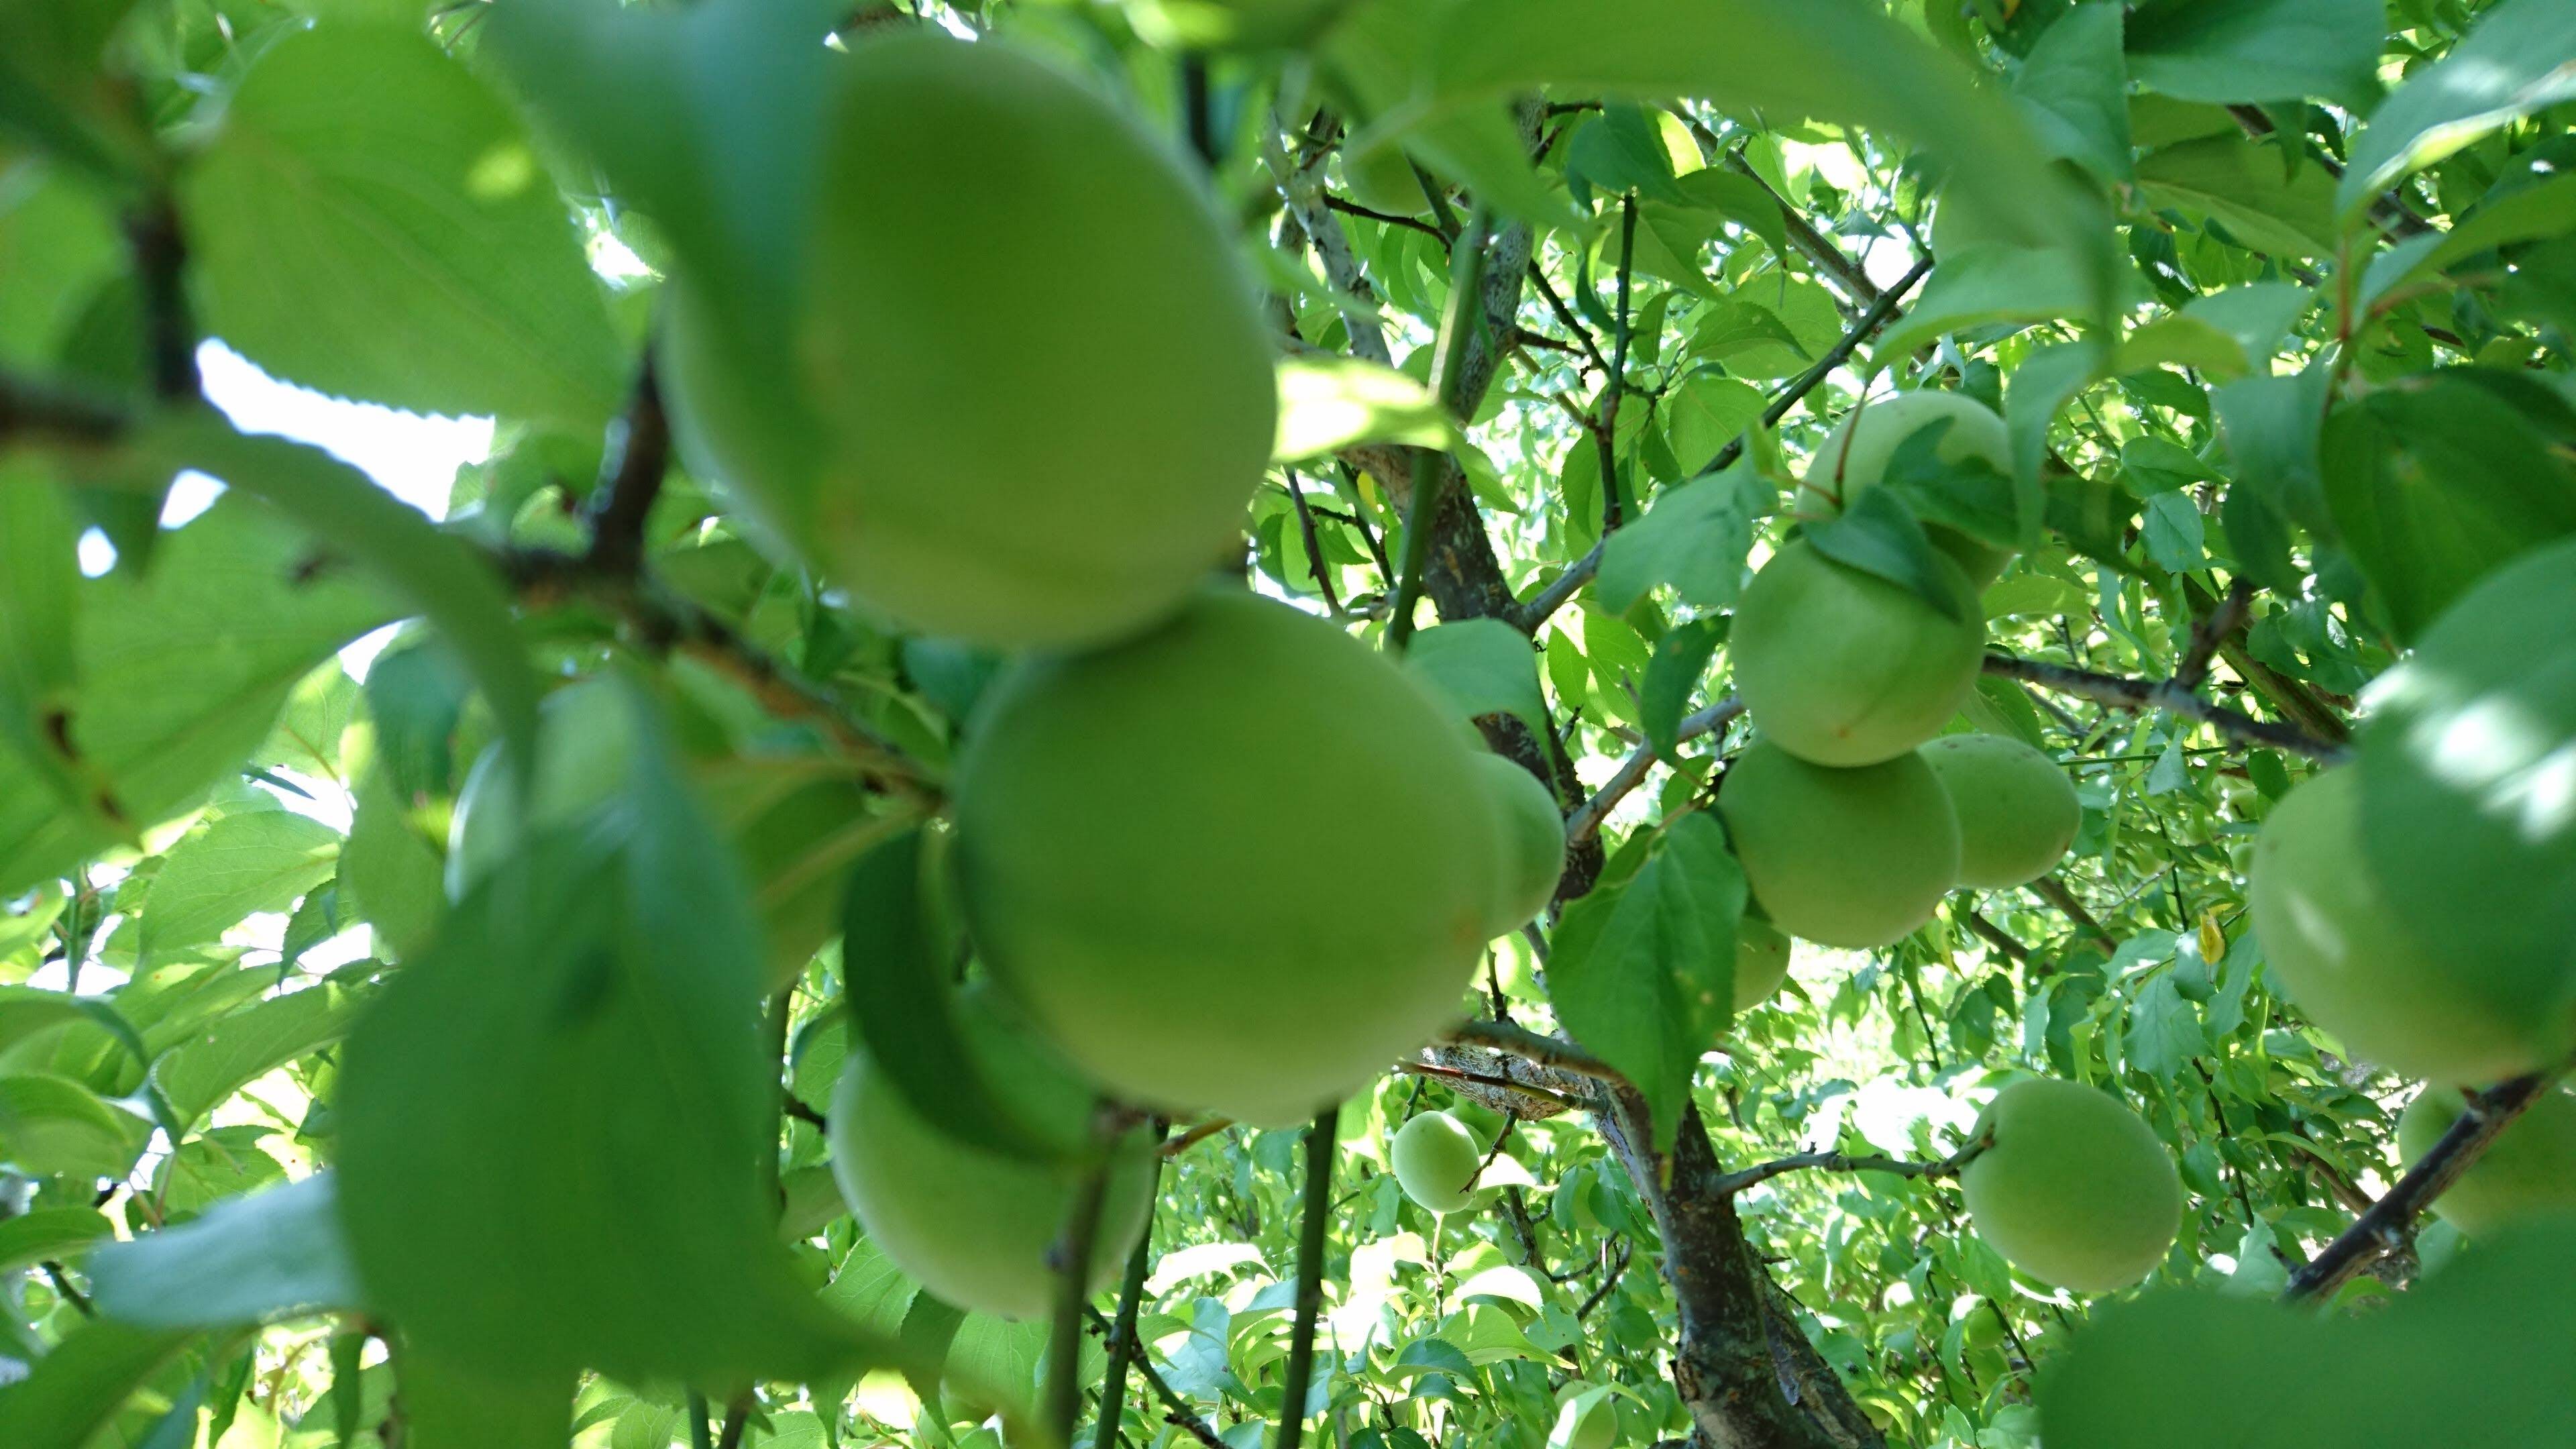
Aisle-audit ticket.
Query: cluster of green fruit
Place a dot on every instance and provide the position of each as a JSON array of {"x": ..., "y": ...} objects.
[
  {"x": 1004, "y": 381},
  {"x": 2444, "y": 998},
  {"x": 1853, "y": 814}
]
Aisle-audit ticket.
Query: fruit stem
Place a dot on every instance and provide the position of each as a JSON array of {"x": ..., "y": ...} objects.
[
  {"x": 1122, "y": 1334},
  {"x": 1310, "y": 1274}
]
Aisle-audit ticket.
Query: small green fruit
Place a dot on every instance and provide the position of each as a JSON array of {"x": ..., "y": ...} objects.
[
  {"x": 1853, "y": 858},
  {"x": 1382, "y": 179},
  {"x": 1160, "y": 850},
  {"x": 2528, "y": 1171},
  {"x": 1022, "y": 392},
  {"x": 2369, "y": 976},
  {"x": 2017, "y": 810},
  {"x": 1436, "y": 1162},
  {"x": 2076, "y": 1191},
  {"x": 973, "y": 1226},
  {"x": 1761, "y": 961},
  {"x": 1587, "y": 1417},
  {"x": 1980, "y": 1330},
  {"x": 1533, "y": 841},
  {"x": 1856, "y": 454},
  {"x": 1842, "y": 667}
]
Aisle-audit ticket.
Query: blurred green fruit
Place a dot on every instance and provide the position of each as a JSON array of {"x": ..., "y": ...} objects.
[
  {"x": 1030, "y": 394},
  {"x": 973, "y": 1226},
  {"x": 1383, "y": 180},
  {"x": 1853, "y": 858},
  {"x": 1232, "y": 24},
  {"x": 2017, "y": 810},
  {"x": 2528, "y": 1171},
  {"x": 2379, "y": 981},
  {"x": 1587, "y": 1417},
  {"x": 2075, "y": 1191},
  {"x": 1856, "y": 453},
  {"x": 1980, "y": 1330},
  {"x": 1842, "y": 667},
  {"x": 1533, "y": 841},
  {"x": 1238, "y": 864},
  {"x": 1436, "y": 1161},
  {"x": 1761, "y": 961}
]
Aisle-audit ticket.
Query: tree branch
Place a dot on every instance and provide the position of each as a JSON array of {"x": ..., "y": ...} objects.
[
  {"x": 2391, "y": 1220},
  {"x": 2168, "y": 695},
  {"x": 2210, "y": 629},
  {"x": 2054, "y": 891},
  {"x": 1299, "y": 1372},
  {"x": 631, "y": 477},
  {"x": 1735, "y": 1182},
  {"x": 1531, "y": 1046},
  {"x": 41, "y": 412}
]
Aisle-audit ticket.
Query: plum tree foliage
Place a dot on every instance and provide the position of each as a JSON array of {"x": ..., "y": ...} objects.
[{"x": 1213, "y": 724}]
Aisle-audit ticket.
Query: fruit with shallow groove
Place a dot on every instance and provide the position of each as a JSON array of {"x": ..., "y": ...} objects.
[
  {"x": 1236, "y": 864},
  {"x": 1843, "y": 667},
  {"x": 2017, "y": 810},
  {"x": 1532, "y": 841},
  {"x": 2074, "y": 1190},
  {"x": 1853, "y": 858}
]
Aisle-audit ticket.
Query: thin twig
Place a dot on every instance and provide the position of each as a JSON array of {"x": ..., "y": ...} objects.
[
  {"x": 1458, "y": 320},
  {"x": 1196, "y": 1135},
  {"x": 45, "y": 413},
  {"x": 1587, "y": 817},
  {"x": 2055, "y": 892},
  {"x": 1609, "y": 1280},
  {"x": 2168, "y": 695},
  {"x": 2209, "y": 630},
  {"x": 1737, "y": 1181},
  {"x": 1418, "y": 1068},
  {"x": 63, "y": 1285},
  {"x": 1300, "y": 1369},
  {"x": 1122, "y": 1336},
  {"x": 1531, "y": 1046},
  {"x": 1177, "y": 1413},
  {"x": 1072, "y": 1264},
  {"x": 1994, "y": 935},
  {"x": 2386, "y": 1226}
]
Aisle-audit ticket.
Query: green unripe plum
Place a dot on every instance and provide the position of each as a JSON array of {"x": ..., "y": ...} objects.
[
  {"x": 1980, "y": 1330},
  {"x": 1852, "y": 858},
  {"x": 1436, "y": 1162},
  {"x": 1842, "y": 667},
  {"x": 2358, "y": 969},
  {"x": 1533, "y": 841},
  {"x": 1382, "y": 179},
  {"x": 2075, "y": 1191},
  {"x": 2528, "y": 1171},
  {"x": 1020, "y": 394},
  {"x": 2017, "y": 810},
  {"x": 1232, "y": 24},
  {"x": 975, "y": 1227},
  {"x": 1761, "y": 961},
  {"x": 1476, "y": 1117},
  {"x": 1856, "y": 453},
  {"x": 1586, "y": 1418},
  {"x": 1160, "y": 852}
]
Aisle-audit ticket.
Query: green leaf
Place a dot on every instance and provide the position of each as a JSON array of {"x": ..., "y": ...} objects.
[
  {"x": 1644, "y": 975},
  {"x": 2175, "y": 536},
  {"x": 2519, "y": 59},
  {"x": 51, "y": 1232},
  {"x": 1694, "y": 538},
  {"x": 233, "y": 868},
  {"x": 447, "y": 1405},
  {"x": 1966, "y": 493},
  {"x": 1622, "y": 150},
  {"x": 2433, "y": 485},
  {"x": 209, "y": 1066},
  {"x": 1681, "y": 660},
  {"x": 391, "y": 876},
  {"x": 1481, "y": 667},
  {"x": 2431, "y": 1367},
  {"x": 2163, "y": 1032},
  {"x": 182, "y": 672},
  {"x": 1981, "y": 285},
  {"x": 53, "y": 1124},
  {"x": 2466, "y": 815},
  {"x": 271, "y": 1254},
  {"x": 2271, "y": 425},
  {"x": 2265, "y": 197},
  {"x": 1876, "y": 534},
  {"x": 1329, "y": 403},
  {"x": 77, "y": 1388},
  {"x": 2074, "y": 90},
  {"x": 2231, "y": 51},
  {"x": 548, "y": 1123},
  {"x": 1706, "y": 413},
  {"x": 26, "y": 1010},
  {"x": 39, "y": 621},
  {"x": 372, "y": 222},
  {"x": 306, "y": 738},
  {"x": 899, "y": 993}
]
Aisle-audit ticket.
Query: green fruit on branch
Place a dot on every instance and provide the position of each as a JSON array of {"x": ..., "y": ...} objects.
[
  {"x": 2075, "y": 1191},
  {"x": 1533, "y": 841},
  {"x": 1436, "y": 1162},
  {"x": 2017, "y": 810},
  {"x": 1383, "y": 180},
  {"x": 1853, "y": 858},
  {"x": 1761, "y": 961},
  {"x": 1238, "y": 864},
  {"x": 975, "y": 1227},
  {"x": 1855, "y": 455},
  {"x": 1027, "y": 394},
  {"x": 1843, "y": 667},
  {"x": 2528, "y": 1171},
  {"x": 2382, "y": 981},
  {"x": 1587, "y": 1417}
]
